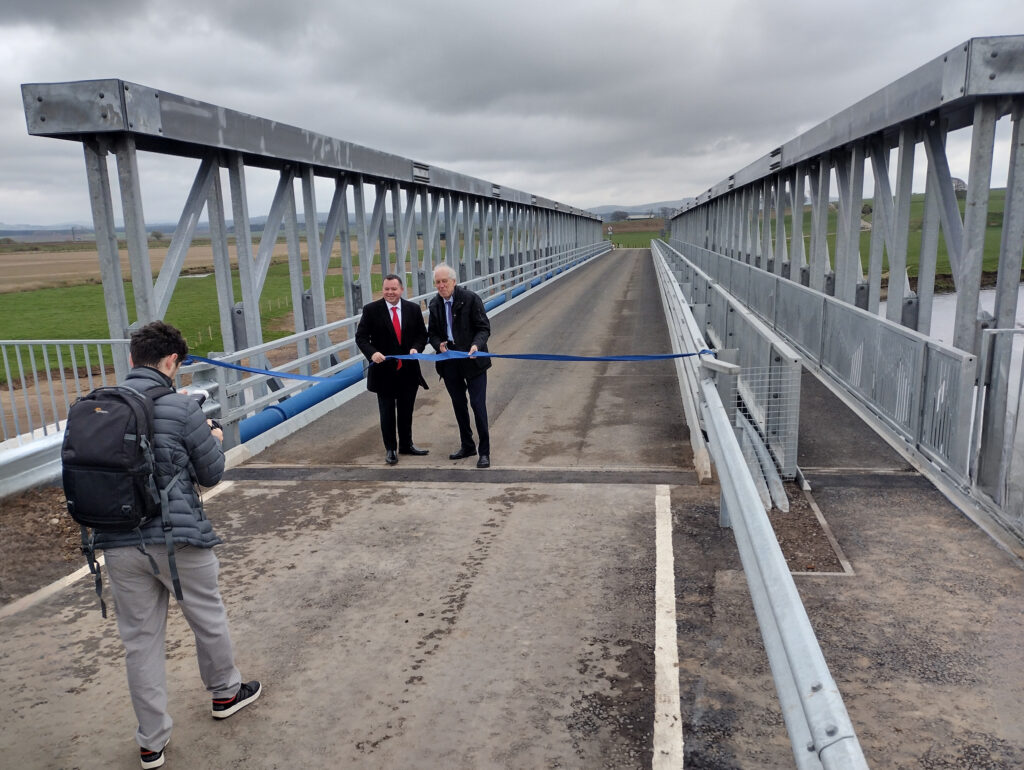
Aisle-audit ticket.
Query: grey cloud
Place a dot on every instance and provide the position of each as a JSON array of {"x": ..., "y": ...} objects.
[
  {"x": 572, "y": 100},
  {"x": 66, "y": 14}
]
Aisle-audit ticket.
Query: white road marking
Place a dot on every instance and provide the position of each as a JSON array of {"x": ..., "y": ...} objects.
[
  {"x": 668, "y": 721},
  {"x": 47, "y": 591}
]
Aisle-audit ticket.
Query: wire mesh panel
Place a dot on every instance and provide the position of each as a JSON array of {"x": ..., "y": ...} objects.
[
  {"x": 769, "y": 397},
  {"x": 947, "y": 407},
  {"x": 899, "y": 370},
  {"x": 849, "y": 347}
]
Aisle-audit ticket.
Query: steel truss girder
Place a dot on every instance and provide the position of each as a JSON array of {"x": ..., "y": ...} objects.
[
  {"x": 113, "y": 116},
  {"x": 947, "y": 87},
  {"x": 176, "y": 125}
]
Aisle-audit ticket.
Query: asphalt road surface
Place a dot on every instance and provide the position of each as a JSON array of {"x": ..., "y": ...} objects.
[
  {"x": 425, "y": 615},
  {"x": 432, "y": 615}
]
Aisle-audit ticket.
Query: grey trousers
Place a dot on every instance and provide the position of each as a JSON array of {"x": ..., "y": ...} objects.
[{"x": 141, "y": 601}]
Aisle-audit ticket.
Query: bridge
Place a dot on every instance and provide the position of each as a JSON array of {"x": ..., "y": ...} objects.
[{"x": 635, "y": 582}]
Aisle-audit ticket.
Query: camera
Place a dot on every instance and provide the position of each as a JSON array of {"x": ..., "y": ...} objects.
[{"x": 200, "y": 396}]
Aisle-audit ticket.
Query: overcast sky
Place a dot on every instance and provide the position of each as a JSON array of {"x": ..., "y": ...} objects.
[{"x": 588, "y": 102}]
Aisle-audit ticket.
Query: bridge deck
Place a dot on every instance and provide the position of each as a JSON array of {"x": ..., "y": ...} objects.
[{"x": 434, "y": 615}]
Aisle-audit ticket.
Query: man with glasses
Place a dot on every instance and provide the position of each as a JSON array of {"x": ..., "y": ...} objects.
[{"x": 457, "y": 321}]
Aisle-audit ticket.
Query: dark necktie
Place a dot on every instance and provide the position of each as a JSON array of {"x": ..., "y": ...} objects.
[
  {"x": 398, "y": 329},
  {"x": 451, "y": 329}
]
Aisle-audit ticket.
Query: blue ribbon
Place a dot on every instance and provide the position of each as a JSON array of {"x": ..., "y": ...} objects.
[
  {"x": 238, "y": 367},
  {"x": 545, "y": 356},
  {"x": 455, "y": 354}
]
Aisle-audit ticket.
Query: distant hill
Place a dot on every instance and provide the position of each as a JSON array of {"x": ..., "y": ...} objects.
[{"x": 643, "y": 208}]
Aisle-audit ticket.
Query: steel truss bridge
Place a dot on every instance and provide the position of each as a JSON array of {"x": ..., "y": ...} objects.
[{"x": 774, "y": 285}]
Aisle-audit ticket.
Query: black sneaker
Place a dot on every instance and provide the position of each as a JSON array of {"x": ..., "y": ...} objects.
[
  {"x": 247, "y": 693},
  {"x": 151, "y": 758}
]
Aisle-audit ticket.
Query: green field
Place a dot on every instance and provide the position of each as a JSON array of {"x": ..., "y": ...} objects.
[
  {"x": 79, "y": 312},
  {"x": 637, "y": 240},
  {"x": 943, "y": 271}
]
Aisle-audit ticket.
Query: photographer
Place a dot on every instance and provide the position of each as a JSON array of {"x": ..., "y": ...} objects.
[{"x": 183, "y": 439}]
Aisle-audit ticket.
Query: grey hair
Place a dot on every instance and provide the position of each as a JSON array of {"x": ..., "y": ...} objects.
[{"x": 448, "y": 268}]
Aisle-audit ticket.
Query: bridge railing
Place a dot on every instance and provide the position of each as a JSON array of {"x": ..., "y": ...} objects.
[
  {"x": 819, "y": 727},
  {"x": 44, "y": 377},
  {"x": 405, "y": 216},
  {"x": 921, "y": 389},
  {"x": 832, "y": 222},
  {"x": 768, "y": 384}
]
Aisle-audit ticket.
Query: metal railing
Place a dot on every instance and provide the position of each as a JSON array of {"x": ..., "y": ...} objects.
[
  {"x": 396, "y": 207},
  {"x": 1001, "y": 375},
  {"x": 769, "y": 380},
  {"x": 819, "y": 727},
  {"x": 42, "y": 378},
  {"x": 920, "y": 389},
  {"x": 800, "y": 241}
]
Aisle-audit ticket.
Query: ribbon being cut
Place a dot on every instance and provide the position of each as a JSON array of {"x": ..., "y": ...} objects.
[{"x": 451, "y": 354}]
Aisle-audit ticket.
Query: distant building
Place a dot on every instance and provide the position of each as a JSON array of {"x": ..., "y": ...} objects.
[{"x": 633, "y": 217}]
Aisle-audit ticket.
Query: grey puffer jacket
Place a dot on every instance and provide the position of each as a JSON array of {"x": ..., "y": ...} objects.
[{"x": 180, "y": 437}]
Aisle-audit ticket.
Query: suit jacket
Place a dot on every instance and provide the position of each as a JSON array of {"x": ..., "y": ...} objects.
[
  {"x": 375, "y": 333},
  {"x": 469, "y": 325}
]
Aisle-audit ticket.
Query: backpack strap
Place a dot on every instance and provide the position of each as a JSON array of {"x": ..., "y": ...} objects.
[
  {"x": 88, "y": 548},
  {"x": 165, "y": 516},
  {"x": 165, "y": 504}
]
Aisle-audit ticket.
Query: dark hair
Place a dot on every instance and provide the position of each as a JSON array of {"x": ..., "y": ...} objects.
[
  {"x": 154, "y": 341},
  {"x": 393, "y": 277}
]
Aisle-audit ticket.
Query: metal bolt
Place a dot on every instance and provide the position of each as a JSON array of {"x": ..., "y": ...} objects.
[
  {"x": 810, "y": 745},
  {"x": 816, "y": 687},
  {"x": 831, "y": 730},
  {"x": 995, "y": 54},
  {"x": 131, "y": 125},
  {"x": 39, "y": 98},
  {"x": 42, "y": 118},
  {"x": 156, "y": 96},
  {"x": 992, "y": 76},
  {"x": 103, "y": 115}
]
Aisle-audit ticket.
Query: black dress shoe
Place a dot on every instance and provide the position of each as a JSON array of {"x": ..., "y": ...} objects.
[
  {"x": 392, "y": 457},
  {"x": 484, "y": 461},
  {"x": 412, "y": 449},
  {"x": 462, "y": 452}
]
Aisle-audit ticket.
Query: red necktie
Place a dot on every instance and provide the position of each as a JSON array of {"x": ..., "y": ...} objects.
[{"x": 398, "y": 329}]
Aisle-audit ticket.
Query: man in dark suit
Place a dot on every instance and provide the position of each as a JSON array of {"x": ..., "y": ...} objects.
[
  {"x": 393, "y": 326},
  {"x": 457, "y": 321}
]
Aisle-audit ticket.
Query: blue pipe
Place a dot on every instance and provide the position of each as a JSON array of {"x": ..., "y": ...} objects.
[
  {"x": 273, "y": 415},
  {"x": 493, "y": 302}
]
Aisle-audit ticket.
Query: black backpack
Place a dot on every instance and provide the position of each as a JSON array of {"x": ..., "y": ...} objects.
[{"x": 109, "y": 471}]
